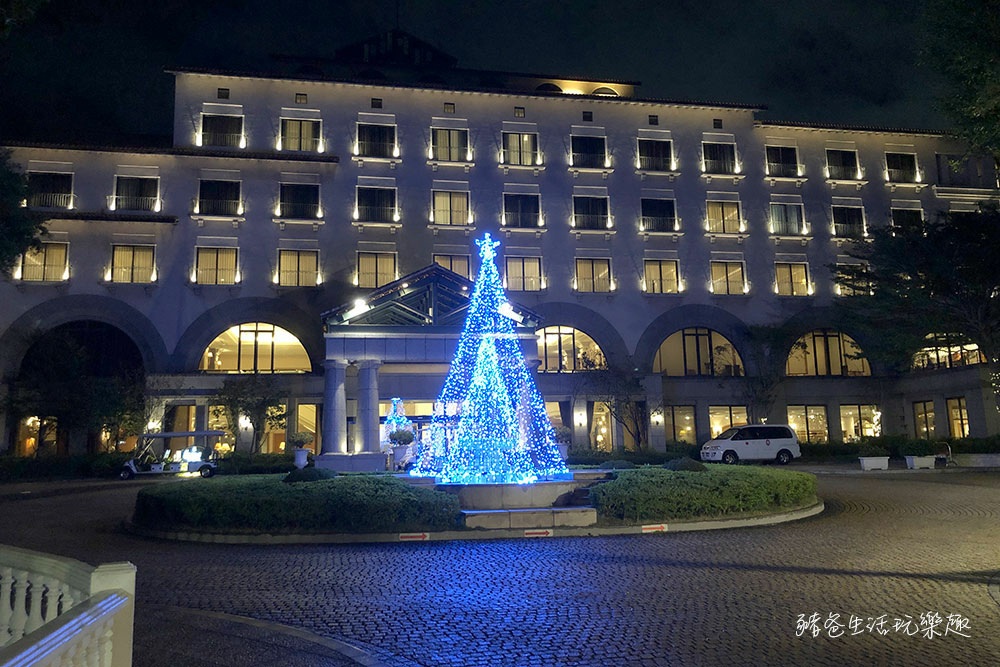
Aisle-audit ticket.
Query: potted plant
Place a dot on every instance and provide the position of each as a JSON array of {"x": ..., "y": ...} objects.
[
  {"x": 564, "y": 437},
  {"x": 918, "y": 454},
  {"x": 298, "y": 441},
  {"x": 873, "y": 456},
  {"x": 401, "y": 440}
]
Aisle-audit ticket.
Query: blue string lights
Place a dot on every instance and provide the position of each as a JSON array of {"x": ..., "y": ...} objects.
[{"x": 489, "y": 424}]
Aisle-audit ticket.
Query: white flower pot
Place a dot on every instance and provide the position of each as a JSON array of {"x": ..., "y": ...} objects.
[
  {"x": 874, "y": 462},
  {"x": 563, "y": 450},
  {"x": 916, "y": 462},
  {"x": 301, "y": 457}
]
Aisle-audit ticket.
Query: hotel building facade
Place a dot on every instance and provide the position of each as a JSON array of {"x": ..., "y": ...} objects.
[{"x": 318, "y": 222}]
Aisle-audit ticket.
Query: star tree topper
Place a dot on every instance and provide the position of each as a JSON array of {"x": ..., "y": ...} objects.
[{"x": 487, "y": 247}]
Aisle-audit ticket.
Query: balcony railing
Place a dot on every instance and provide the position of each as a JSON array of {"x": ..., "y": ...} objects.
[
  {"x": 591, "y": 221},
  {"x": 51, "y": 200},
  {"x": 57, "y": 610},
  {"x": 213, "y": 276},
  {"x": 376, "y": 214},
  {"x": 447, "y": 216},
  {"x": 658, "y": 223},
  {"x": 590, "y": 160},
  {"x": 719, "y": 166},
  {"x": 299, "y": 211},
  {"x": 133, "y": 203},
  {"x": 656, "y": 163},
  {"x": 786, "y": 228},
  {"x": 522, "y": 158},
  {"x": 302, "y": 144},
  {"x": 848, "y": 230},
  {"x": 902, "y": 175},
  {"x": 521, "y": 220},
  {"x": 224, "y": 139},
  {"x": 844, "y": 173},
  {"x": 720, "y": 226},
  {"x": 450, "y": 154},
  {"x": 782, "y": 169},
  {"x": 376, "y": 149},
  {"x": 293, "y": 278},
  {"x": 221, "y": 207}
]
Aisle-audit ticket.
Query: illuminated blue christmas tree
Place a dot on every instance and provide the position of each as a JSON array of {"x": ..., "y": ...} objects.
[{"x": 489, "y": 423}]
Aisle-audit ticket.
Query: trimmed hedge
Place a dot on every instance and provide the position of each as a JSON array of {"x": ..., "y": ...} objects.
[
  {"x": 655, "y": 494},
  {"x": 685, "y": 464},
  {"x": 988, "y": 445},
  {"x": 646, "y": 457},
  {"x": 242, "y": 463},
  {"x": 106, "y": 464},
  {"x": 310, "y": 474},
  {"x": 263, "y": 503}
]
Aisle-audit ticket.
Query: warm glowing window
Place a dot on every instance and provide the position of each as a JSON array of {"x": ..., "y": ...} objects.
[
  {"x": 132, "y": 263},
  {"x": 376, "y": 268},
  {"x": 860, "y": 421},
  {"x": 300, "y": 135},
  {"x": 944, "y": 351},
  {"x": 722, "y": 417},
  {"x": 923, "y": 419},
  {"x": 47, "y": 263},
  {"x": 724, "y": 217},
  {"x": 567, "y": 350},
  {"x": 593, "y": 275},
  {"x": 298, "y": 268},
  {"x": 660, "y": 276},
  {"x": 215, "y": 266},
  {"x": 826, "y": 352},
  {"x": 524, "y": 274},
  {"x": 451, "y": 208},
  {"x": 450, "y": 145},
  {"x": 727, "y": 277},
  {"x": 679, "y": 424},
  {"x": 255, "y": 347},
  {"x": 809, "y": 422},
  {"x": 697, "y": 352},
  {"x": 958, "y": 418},
  {"x": 791, "y": 278},
  {"x": 457, "y": 263},
  {"x": 520, "y": 148}
]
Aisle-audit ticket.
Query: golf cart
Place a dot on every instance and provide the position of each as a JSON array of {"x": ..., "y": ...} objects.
[{"x": 191, "y": 460}]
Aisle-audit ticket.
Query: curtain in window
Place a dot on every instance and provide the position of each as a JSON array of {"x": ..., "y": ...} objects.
[
  {"x": 590, "y": 212},
  {"x": 655, "y": 155},
  {"x": 376, "y": 204},
  {"x": 720, "y": 158},
  {"x": 376, "y": 140},
  {"x": 299, "y": 201},
  {"x": 521, "y": 210},
  {"x": 786, "y": 219}
]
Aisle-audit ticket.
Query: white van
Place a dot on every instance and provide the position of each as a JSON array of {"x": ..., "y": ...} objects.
[{"x": 756, "y": 442}]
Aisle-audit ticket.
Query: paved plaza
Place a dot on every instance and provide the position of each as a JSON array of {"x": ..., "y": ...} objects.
[{"x": 901, "y": 544}]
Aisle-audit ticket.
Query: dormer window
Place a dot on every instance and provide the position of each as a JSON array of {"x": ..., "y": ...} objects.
[
  {"x": 376, "y": 141},
  {"x": 220, "y": 130},
  {"x": 48, "y": 190}
]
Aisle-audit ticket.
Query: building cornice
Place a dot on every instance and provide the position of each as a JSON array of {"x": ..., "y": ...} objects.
[
  {"x": 178, "y": 151},
  {"x": 837, "y": 127}
]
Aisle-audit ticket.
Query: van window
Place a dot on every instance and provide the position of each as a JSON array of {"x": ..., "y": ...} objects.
[
  {"x": 776, "y": 432},
  {"x": 747, "y": 434},
  {"x": 727, "y": 434}
]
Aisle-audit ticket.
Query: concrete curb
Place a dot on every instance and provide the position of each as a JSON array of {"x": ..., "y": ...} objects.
[
  {"x": 347, "y": 650},
  {"x": 499, "y": 534},
  {"x": 818, "y": 470},
  {"x": 69, "y": 489}
]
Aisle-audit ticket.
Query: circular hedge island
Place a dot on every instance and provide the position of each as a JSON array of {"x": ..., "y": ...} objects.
[{"x": 378, "y": 503}]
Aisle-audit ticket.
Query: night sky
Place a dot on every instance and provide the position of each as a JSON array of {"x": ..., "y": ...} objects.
[{"x": 88, "y": 70}]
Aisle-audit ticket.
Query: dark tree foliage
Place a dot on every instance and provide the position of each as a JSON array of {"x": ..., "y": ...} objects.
[
  {"x": 943, "y": 279},
  {"x": 17, "y": 12},
  {"x": 19, "y": 226},
  {"x": 256, "y": 397},
  {"x": 962, "y": 43}
]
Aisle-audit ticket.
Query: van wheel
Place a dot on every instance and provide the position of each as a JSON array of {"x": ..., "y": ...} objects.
[
  {"x": 126, "y": 473},
  {"x": 206, "y": 471},
  {"x": 784, "y": 456},
  {"x": 730, "y": 457}
]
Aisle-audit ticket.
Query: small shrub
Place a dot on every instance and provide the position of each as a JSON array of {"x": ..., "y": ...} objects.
[
  {"x": 618, "y": 464},
  {"x": 685, "y": 463},
  {"x": 310, "y": 474},
  {"x": 593, "y": 457},
  {"x": 987, "y": 445},
  {"x": 872, "y": 448},
  {"x": 104, "y": 464},
  {"x": 262, "y": 503},
  {"x": 401, "y": 437},
  {"x": 918, "y": 448},
  {"x": 563, "y": 434},
  {"x": 242, "y": 463},
  {"x": 298, "y": 439},
  {"x": 655, "y": 494}
]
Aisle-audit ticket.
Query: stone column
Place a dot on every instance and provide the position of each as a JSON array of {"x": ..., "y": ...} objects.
[
  {"x": 833, "y": 421},
  {"x": 581, "y": 437},
  {"x": 334, "y": 428},
  {"x": 201, "y": 424},
  {"x": 367, "y": 422}
]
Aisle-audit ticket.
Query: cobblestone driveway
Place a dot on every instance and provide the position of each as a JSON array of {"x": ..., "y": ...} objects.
[{"x": 905, "y": 544}]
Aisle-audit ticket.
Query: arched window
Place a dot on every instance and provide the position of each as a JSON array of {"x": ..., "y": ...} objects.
[
  {"x": 826, "y": 352},
  {"x": 255, "y": 347},
  {"x": 604, "y": 90},
  {"x": 697, "y": 351},
  {"x": 944, "y": 351},
  {"x": 549, "y": 88},
  {"x": 567, "y": 350}
]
